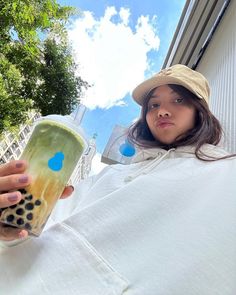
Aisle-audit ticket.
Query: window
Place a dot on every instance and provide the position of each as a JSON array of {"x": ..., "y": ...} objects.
[
  {"x": 14, "y": 145},
  {"x": 8, "y": 153},
  {"x": 22, "y": 136},
  {"x": 4, "y": 145},
  {"x": 10, "y": 137},
  {"x": 2, "y": 161},
  {"x": 18, "y": 152}
]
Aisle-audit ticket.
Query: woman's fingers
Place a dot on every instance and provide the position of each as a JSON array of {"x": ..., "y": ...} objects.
[
  {"x": 9, "y": 199},
  {"x": 67, "y": 192},
  {"x": 12, "y": 177},
  {"x": 14, "y": 181},
  {"x": 13, "y": 167},
  {"x": 8, "y": 233}
]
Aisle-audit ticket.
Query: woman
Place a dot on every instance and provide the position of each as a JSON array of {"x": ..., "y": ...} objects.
[{"x": 164, "y": 224}]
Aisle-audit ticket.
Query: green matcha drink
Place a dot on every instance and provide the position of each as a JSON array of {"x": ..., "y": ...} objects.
[{"x": 52, "y": 152}]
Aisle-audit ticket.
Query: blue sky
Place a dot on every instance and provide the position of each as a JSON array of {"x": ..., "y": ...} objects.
[{"x": 117, "y": 45}]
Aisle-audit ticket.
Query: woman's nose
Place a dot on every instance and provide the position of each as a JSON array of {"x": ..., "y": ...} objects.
[{"x": 163, "y": 112}]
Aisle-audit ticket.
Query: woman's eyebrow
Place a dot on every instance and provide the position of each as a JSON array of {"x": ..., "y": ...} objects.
[
  {"x": 155, "y": 96},
  {"x": 152, "y": 99}
]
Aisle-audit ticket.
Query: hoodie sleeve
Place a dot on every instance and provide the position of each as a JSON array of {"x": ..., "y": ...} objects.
[{"x": 67, "y": 207}]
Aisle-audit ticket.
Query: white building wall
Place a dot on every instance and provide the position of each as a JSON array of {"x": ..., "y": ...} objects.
[
  {"x": 11, "y": 146},
  {"x": 218, "y": 64}
]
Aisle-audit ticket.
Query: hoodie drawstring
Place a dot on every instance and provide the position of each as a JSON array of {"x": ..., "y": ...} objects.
[{"x": 149, "y": 167}]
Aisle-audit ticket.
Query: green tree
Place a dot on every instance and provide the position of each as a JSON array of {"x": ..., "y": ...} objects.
[
  {"x": 60, "y": 87},
  {"x": 33, "y": 66},
  {"x": 13, "y": 108}
]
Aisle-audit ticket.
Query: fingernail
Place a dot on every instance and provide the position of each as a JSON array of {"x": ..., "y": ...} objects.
[
  {"x": 12, "y": 198},
  {"x": 21, "y": 235},
  {"x": 19, "y": 165},
  {"x": 23, "y": 179}
]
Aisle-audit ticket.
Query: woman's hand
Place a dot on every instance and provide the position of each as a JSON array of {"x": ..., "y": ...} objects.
[
  {"x": 12, "y": 178},
  {"x": 67, "y": 192}
]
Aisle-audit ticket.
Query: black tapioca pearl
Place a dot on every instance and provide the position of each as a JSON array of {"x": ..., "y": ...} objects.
[
  {"x": 10, "y": 218},
  {"x": 29, "y": 206},
  {"x": 20, "y": 221},
  {"x": 29, "y": 198},
  {"x": 13, "y": 206},
  {"x": 29, "y": 216},
  {"x": 28, "y": 226},
  {"x": 23, "y": 191},
  {"x": 22, "y": 202},
  {"x": 20, "y": 211},
  {"x": 37, "y": 202}
]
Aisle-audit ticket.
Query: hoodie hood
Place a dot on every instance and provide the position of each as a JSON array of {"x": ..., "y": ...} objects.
[
  {"x": 157, "y": 155},
  {"x": 184, "y": 151}
]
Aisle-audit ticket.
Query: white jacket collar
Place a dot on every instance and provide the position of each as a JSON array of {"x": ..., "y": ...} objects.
[
  {"x": 157, "y": 155},
  {"x": 184, "y": 151}
]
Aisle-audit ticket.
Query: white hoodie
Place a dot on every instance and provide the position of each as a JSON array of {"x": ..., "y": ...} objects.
[{"x": 164, "y": 225}]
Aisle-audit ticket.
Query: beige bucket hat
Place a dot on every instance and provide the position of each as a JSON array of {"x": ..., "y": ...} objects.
[{"x": 177, "y": 74}]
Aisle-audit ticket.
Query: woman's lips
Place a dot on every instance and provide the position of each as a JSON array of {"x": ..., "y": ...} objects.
[{"x": 164, "y": 125}]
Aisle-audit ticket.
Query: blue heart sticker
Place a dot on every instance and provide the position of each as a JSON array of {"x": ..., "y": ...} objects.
[{"x": 56, "y": 162}]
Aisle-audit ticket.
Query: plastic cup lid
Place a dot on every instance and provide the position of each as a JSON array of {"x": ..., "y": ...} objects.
[{"x": 68, "y": 122}]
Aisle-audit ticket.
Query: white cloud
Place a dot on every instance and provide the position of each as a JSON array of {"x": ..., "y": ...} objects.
[
  {"x": 111, "y": 56},
  {"x": 97, "y": 165},
  {"x": 124, "y": 15},
  {"x": 145, "y": 32},
  {"x": 110, "y": 11}
]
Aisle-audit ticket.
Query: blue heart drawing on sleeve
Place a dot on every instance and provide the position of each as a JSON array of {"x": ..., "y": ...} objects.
[{"x": 127, "y": 149}]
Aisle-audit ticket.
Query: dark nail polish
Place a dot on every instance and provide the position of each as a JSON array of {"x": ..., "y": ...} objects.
[
  {"x": 23, "y": 179},
  {"x": 12, "y": 198},
  {"x": 19, "y": 165}
]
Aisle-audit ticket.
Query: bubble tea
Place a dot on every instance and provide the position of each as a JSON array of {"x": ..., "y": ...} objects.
[{"x": 52, "y": 152}]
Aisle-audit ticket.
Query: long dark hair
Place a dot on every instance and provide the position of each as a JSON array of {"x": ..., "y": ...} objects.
[{"x": 207, "y": 128}]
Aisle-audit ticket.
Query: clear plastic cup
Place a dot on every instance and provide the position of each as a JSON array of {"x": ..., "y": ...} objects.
[{"x": 53, "y": 150}]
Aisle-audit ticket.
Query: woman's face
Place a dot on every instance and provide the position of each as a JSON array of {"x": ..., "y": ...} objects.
[{"x": 169, "y": 115}]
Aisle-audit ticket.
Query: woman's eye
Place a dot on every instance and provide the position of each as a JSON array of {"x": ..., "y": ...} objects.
[
  {"x": 179, "y": 100},
  {"x": 153, "y": 106}
]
